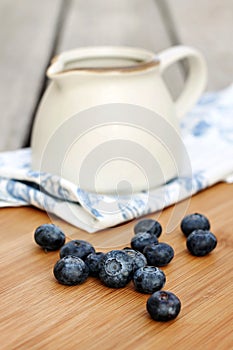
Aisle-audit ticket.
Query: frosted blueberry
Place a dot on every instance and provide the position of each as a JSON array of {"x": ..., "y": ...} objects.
[
  {"x": 163, "y": 306},
  {"x": 78, "y": 248},
  {"x": 116, "y": 269},
  {"x": 142, "y": 239},
  {"x": 201, "y": 242},
  {"x": 49, "y": 237},
  {"x": 194, "y": 222},
  {"x": 92, "y": 261},
  {"x": 148, "y": 279},
  {"x": 139, "y": 260},
  {"x": 158, "y": 254},
  {"x": 148, "y": 225},
  {"x": 70, "y": 270}
]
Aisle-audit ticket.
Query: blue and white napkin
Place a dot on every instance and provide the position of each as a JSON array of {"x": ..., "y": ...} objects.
[{"x": 208, "y": 137}]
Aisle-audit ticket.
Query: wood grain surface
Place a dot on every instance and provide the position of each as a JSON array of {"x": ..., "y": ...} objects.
[{"x": 36, "y": 312}]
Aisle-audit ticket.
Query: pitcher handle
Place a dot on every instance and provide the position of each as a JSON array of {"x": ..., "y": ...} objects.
[{"x": 197, "y": 77}]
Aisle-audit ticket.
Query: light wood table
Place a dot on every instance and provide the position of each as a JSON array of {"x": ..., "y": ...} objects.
[{"x": 39, "y": 313}]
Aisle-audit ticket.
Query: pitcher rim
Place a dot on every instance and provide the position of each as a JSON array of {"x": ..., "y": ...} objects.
[{"x": 146, "y": 60}]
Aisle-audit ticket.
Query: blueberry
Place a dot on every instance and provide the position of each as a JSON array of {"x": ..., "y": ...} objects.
[
  {"x": 139, "y": 260},
  {"x": 116, "y": 269},
  {"x": 163, "y": 306},
  {"x": 92, "y": 261},
  {"x": 148, "y": 279},
  {"x": 70, "y": 270},
  {"x": 148, "y": 225},
  {"x": 77, "y": 248},
  {"x": 141, "y": 239},
  {"x": 49, "y": 237},
  {"x": 158, "y": 254},
  {"x": 194, "y": 222},
  {"x": 201, "y": 242}
]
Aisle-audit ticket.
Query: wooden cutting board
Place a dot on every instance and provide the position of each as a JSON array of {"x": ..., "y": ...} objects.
[{"x": 38, "y": 313}]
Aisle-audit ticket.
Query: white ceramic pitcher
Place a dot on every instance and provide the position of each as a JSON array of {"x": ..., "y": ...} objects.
[{"x": 87, "y": 78}]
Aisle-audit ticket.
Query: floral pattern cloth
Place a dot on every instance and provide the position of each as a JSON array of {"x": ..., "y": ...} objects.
[{"x": 207, "y": 133}]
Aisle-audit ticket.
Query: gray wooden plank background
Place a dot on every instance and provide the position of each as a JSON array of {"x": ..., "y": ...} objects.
[
  {"x": 28, "y": 30},
  {"x": 208, "y": 25},
  {"x": 32, "y": 32}
]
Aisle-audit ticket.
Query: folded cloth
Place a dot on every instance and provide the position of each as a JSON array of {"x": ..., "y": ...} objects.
[{"x": 207, "y": 133}]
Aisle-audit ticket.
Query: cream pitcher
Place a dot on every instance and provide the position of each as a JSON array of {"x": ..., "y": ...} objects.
[{"x": 107, "y": 118}]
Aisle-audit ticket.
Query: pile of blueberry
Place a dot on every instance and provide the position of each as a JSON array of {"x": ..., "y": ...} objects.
[{"x": 140, "y": 263}]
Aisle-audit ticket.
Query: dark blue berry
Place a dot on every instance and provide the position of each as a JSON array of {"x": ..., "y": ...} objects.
[
  {"x": 158, "y": 254},
  {"x": 194, "y": 222},
  {"x": 142, "y": 239},
  {"x": 149, "y": 279},
  {"x": 78, "y": 248},
  {"x": 139, "y": 260},
  {"x": 201, "y": 242},
  {"x": 92, "y": 261},
  {"x": 49, "y": 237},
  {"x": 163, "y": 306},
  {"x": 148, "y": 225},
  {"x": 70, "y": 270},
  {"x": 116, "y": 269}
]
